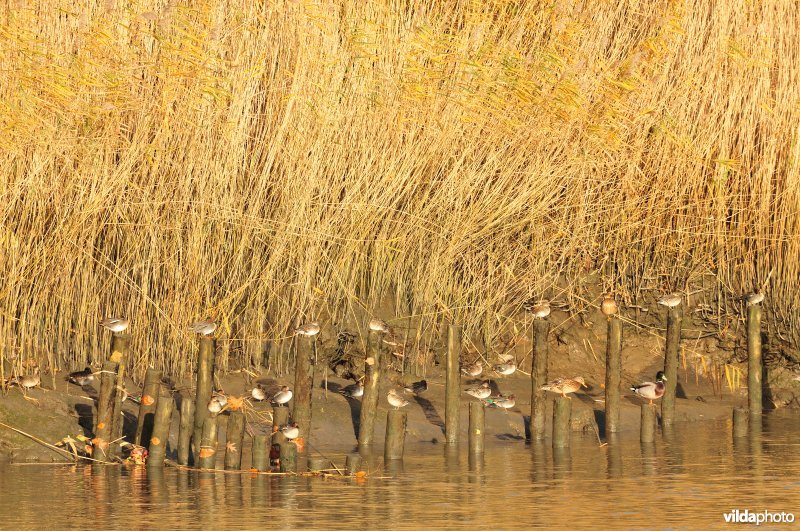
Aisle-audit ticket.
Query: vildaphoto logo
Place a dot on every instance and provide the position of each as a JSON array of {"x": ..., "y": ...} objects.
[{"x": 762, "y": 517}]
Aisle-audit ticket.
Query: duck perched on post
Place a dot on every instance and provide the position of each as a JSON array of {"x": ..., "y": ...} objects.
[
  {"x": 651, "y": 390},
  {"x": 565, "y": 385}
]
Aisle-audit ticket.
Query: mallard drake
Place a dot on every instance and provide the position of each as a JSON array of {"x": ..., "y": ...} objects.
[
  {"x": 670, "y": 300},
  {"x": 395, "y": 400},
  {"x": 282, "y": 397},
  {"x": 651, "y": 390},
  {"x": 378, "y": 325},
  {"x": 417, "y": 387},
  {"x": 115, "y": 324},
  {"x": 565, "y": 385},
  {"x": 309, "y": 329},
  {"x": 609, "y": 305},
  {"x": 204, "y": 328},
  {"x": 353, "y": 391},
  {"x": 81, "y": 378},
  {"x": 473, "y": 370},
  {"x": 481, "y": 392},
  {"x": 505, "y": 368},
  {"x": 503, "y": 402}
]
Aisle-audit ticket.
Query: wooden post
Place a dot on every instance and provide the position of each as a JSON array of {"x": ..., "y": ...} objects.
[
  {"x": 396, "y": 422},
  {"x": 234, "y": 438},
  {"x": 613, "y": 374},
  {"x": 185, "y": 433},
  {"x": 147, "y": 407},
  {"x": 280, "y": 418},
  {"x": 647, "y": 433},
  {"x": 541, "y": 328},
  {"x": 261, "y": 452},
  {"x": 674, "y": 319},
  {"x": 120, "y": 345},
  {"x": 207, "y": 452},
  {"x": 161, "y": 423},
  {"x": 740, "y": 421},
  {"x": 369, "y": 402},
  {"x": 205, "y": 378},
  {"x": 352, "y": 464},
  {"x": 452, "y": 384},
  {"x": 105, "y": 410},
  {"x": 317, "y": 464},
  {"x": 754, "y": 361},
  {"x": 476, "y": 427},
  {"x": 562, "y": 413},
  {"x": 303, "y": 385},
  {"x": 289, "y": 457}
]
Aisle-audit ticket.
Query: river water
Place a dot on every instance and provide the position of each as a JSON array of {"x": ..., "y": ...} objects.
[{"x": 688, "y": 478}]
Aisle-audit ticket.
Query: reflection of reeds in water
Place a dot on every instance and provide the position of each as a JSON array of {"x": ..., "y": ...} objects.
[
  {"x": 254, "y": 162},
  {"x": 715, "y": 370}
]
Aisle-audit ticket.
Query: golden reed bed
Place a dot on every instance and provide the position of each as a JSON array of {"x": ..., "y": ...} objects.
[{"x": 266, "y": 162}]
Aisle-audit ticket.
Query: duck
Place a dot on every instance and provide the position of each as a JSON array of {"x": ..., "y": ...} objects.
[
  {"x": 221, "y": 398},
  {"x": 540, "y": 310},
  {"x": 81, "y": 378},
  {"x": 214, "y": 406},
  {"x": 473, "y": 369},
  {"x": 505, "y": 369},
  {"x": 395, "y": 400},
  {"x": 28, "y": 381},
  {"x": 353, "y": 391},
  {"x": 652, "y": 390},
  {"x": 417, "y": 387},
  {"x": 564, "y": 385},
  {"x": 754, "y": 298},
  {"x": 291, "y": 431},
  {"x": 309, "y": 329},
  {"x": 204, "y": 328},
  {"x": 670, "y": 300},
  {"x": 378, "y": 325},
  {"x": 258, "y": 393},
  {"x": 609, "y": 305},
  {"x": 282, "y": 397},
  {"x": 115, "y": 324},
  {"x": 503, "y": 402},
  {"x": 481, "y": 392}
]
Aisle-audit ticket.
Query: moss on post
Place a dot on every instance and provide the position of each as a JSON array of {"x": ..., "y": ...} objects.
[
  {"x": 207, "y": 452},
  {"x": 105, "y": 411},
  {"x": 205, "y": 377},
  {"x": 303, "y": 385},
  {"x": 674, "y": 321},
  {"x": 185, "y": 433},
  {"x": 541, "y": 328},
  {"x": 369, "y": 402},
  {"x": 755, "y": 366},
  {"x": 160, "y": 437},
  {"x": 562, "y": 414},
  {"x": 452, "y": 384},
  {"x": 234, "y": 436},
  {"x": 613, "y": 374}
]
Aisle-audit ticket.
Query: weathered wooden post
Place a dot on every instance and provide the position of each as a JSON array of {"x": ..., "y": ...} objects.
[
  {"x": 674, "y": 320},
  {"x": 452, "y": 384},
  {"x": 289, "y": 457},
  {"x": 369, "y": 402},
  {"x": 160, "y": 436},
  {"x": 541, "y": 328},
  {"x": 120, "y": 345},
  {"x": 562, "y": 413},
  {"x": 613, "y": 374},
  {"x": 352, "y": 464},
  {"x": 207, "y": 451},
  {"x": 476, "y": 427},
  {"x": 647, "y": 433},
  {"x": 147, "y": 407},
  {"x": 396, "y": 422},
  {"x": 303, "y": 385},
  {"x": 185, "y": 433},
  {"x": 280, "y": 418},
  {"x": 754, "y": 361},
  {"x": 316, "y": 464},
  {"x": 261, "y": 453},
  {"x": 205, "y": 378},
  {"x": 234, "y": 438},
  {"x": 740, "y": 421},
  {"x": 105, "y": 410}
]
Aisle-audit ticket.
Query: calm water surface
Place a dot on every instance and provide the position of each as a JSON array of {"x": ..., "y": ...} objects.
[{"x": 687, "y": 479}]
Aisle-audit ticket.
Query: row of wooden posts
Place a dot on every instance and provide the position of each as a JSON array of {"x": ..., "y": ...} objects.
[{"x": 197, "y": 439}]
